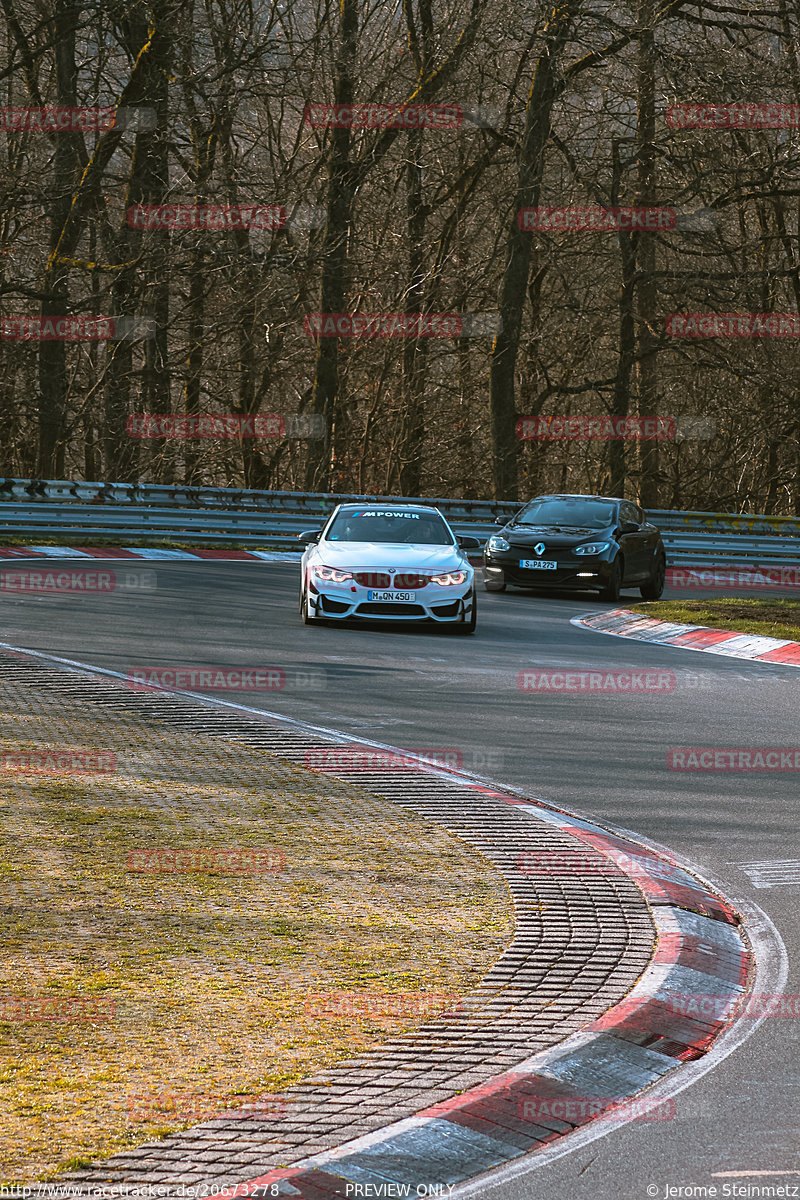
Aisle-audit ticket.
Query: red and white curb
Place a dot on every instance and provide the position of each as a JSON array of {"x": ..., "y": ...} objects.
[
  {"x": 148, "y": 552},
  {"x": 684, "y": 1000},
  {"x": 620, "y": 622},
  {"x": 688, "y": 996}
]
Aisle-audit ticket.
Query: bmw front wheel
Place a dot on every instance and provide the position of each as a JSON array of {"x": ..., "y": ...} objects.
[
  {"x": 305, "y": 609},
  {"x": 468, "y": 625}
]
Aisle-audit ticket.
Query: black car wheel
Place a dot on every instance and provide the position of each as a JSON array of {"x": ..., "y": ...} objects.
[
  {"x": 612, "y": 588},
  {"x": 655, "y": 585}
]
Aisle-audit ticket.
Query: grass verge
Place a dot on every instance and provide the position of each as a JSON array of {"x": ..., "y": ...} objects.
[
  {"x": 767, "y": 616},
  {"x": 205, "y": 982}
]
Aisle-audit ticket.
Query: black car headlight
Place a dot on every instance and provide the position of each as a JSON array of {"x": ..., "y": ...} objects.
[
  {"x": 498, "y": 544},
  {"x": 591, "y": 548}
]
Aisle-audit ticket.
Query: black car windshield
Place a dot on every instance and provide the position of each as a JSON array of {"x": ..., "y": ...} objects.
[
  {"x": 575, "y": 512},
  {"x": 389, "y": 525}
]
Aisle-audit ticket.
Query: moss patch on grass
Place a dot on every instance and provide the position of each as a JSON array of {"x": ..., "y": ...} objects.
[{"x": 210, "y": 978}]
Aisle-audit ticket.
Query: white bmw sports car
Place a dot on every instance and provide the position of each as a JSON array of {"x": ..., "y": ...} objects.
[{"x": 388, "y": 563}]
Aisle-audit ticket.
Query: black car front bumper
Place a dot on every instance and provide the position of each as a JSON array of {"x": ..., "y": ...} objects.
[{"x": 571, "y": 573}]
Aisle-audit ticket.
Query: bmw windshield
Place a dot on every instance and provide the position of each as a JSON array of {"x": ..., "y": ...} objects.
[
  {"x": 379, "y": 525},
  {"x": 577, "y": 513}
]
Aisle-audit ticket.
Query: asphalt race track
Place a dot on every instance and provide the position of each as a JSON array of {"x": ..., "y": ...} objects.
[{"x": 737, "y": 1129}]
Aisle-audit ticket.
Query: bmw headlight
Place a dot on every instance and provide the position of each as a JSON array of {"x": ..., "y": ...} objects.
[
  {"x": 591, "y": 548},
  {"x": 332, "y": 574},
  {"x": 497, "y": 543},
  {"x": 451, "y": 577}
]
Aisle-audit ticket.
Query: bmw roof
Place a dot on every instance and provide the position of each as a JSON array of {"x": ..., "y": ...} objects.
[{"x": 388, "y": 505}]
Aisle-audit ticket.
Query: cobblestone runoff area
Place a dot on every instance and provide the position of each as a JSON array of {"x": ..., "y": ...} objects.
[{"x": 582, "y": 940}]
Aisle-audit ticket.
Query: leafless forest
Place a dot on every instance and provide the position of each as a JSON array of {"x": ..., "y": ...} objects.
[{"x": 560, "y": 106}]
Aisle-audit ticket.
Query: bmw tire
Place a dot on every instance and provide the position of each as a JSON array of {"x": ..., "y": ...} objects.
[
  {"x": 468, "y": 625},
  {"x": 305, "y": 610}
]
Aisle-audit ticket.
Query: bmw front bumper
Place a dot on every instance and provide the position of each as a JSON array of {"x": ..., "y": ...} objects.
[{"x": 344, "y": 601}]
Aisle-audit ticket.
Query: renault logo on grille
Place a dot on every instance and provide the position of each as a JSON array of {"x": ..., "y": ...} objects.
[{"x": 539, "y": 548}]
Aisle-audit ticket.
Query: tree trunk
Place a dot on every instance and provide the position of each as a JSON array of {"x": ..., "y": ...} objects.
[
  {"x": 412, "y": 437},
  {"x": 626, "y": 356},
  {"x": 646, "y": 286},
  {"x": 53, "y": 354},
  {"x": 322, "y": 455},
  {"x": 147, "y": 183},
  {"x": 547, "y": 85}
]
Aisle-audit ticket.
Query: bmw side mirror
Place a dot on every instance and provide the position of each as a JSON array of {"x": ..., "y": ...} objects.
[
  {"x": 467, "y": 542},
  {"x": 628, "y": 527},
  {"x": 309, "y": 537}
]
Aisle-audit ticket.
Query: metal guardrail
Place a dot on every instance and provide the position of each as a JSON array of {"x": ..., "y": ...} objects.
[
  {"x": 315, "y": 504},
  {"x": 319, "y": 503},
  {"x": 272, "y": 519}
]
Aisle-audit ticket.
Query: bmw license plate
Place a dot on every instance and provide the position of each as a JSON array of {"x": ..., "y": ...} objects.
[
  {"x": 394, "y": 596},
  {"x": 537, "y": 564}
]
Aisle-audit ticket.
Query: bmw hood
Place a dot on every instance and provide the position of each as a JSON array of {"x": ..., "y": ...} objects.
[{"x": 400, "y": 556}]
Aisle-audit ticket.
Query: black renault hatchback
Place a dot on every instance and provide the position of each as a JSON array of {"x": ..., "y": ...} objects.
[{"x": 582, "y": 542}]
